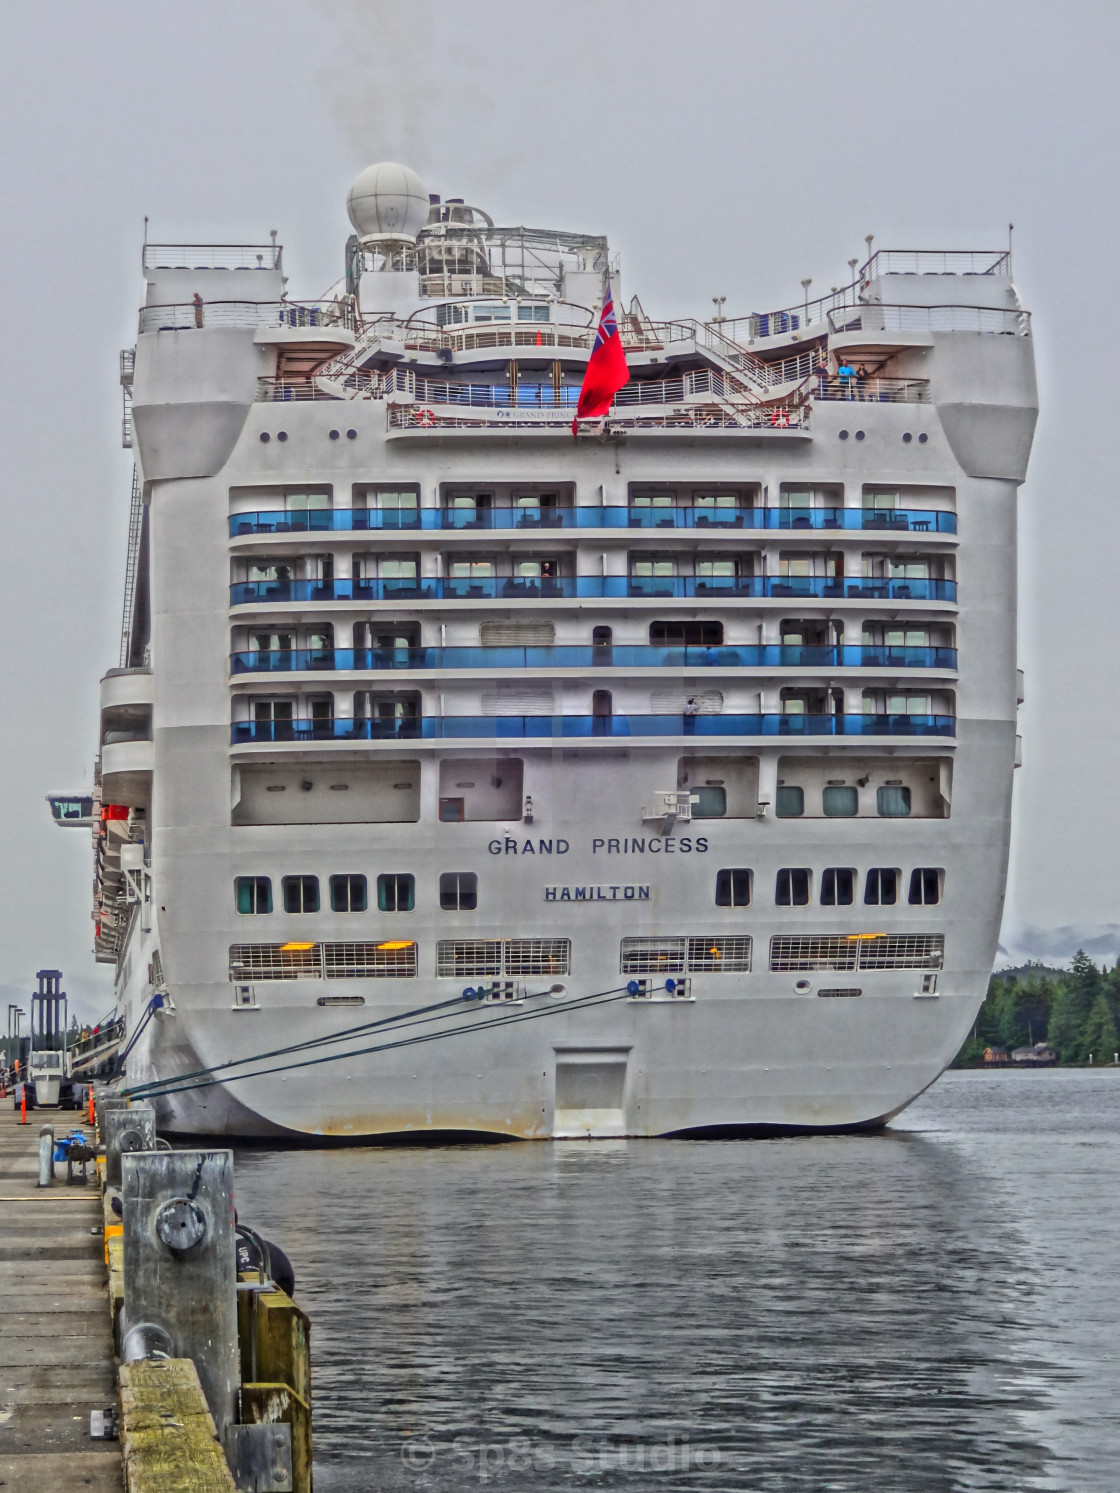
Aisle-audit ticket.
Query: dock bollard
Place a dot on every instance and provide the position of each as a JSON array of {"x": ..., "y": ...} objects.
[
  {"x": 123, "y": 1131},
  {"x": 46, "y": 1156},
  {"x": 180, "y": 1264}
]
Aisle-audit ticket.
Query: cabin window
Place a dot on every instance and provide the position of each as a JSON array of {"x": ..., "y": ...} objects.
[
  {"x": 733, "y": 887},
  {"x": 790, "y": 802},
  {"x": 881, "y": 887},
  {"x": 792, "y": 888},
  {"x": 711, "y": 801},
  {"x": 532, "y": 313},
  {"x": 458, "y": 891},
  {"x": 396, "y": 893},
  {"x": 686, "y": 634},
  {"x": 253, "y": 894},
  {"x": 348, "y": 894},
  {"x": 840, "y": 802},
  {"x": 301, "y": 893},
  {"x": 838, "y": 886},
  {"x": 893, "y": 801},
  {"x": 925, "y": 887}
]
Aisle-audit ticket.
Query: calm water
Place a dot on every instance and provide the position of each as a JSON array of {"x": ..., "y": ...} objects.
[{"x": 932, "y": 1308}]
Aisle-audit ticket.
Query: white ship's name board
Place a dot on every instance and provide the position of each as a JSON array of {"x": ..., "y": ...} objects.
[
  {"x": 596, "y": 894},
  {"x": 627, "y": 845}
]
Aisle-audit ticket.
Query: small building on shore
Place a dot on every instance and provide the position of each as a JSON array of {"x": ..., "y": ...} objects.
[
  {"x": 1041, "y": 1055},
  {"x": 996, "y": 1057}
]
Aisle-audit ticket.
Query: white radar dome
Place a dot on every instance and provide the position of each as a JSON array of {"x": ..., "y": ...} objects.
[{"x": 388, "y": 202}]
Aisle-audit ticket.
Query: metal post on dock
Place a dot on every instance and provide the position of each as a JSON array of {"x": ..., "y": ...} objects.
[
  {"x": 180, "y": 1265},
  {"x": 124, "y": 1131},
  {"x": 46, "y": 1155}
]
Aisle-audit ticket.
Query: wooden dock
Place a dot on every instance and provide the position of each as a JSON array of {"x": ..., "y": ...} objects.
[{"x": 56, "y": 1347}]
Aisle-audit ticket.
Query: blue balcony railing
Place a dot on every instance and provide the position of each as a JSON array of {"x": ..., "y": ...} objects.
[
  {"x": 517, "y": 588},
  {"x": 367, "y": 520},
  {"x": 588, "y": 656},
  {"x": 455, "y": 727}
]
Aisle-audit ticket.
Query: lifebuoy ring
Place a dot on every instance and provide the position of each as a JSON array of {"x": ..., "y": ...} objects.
[
  {"x": 426, "y": 418},
  {"x": 780, "y": 418}
]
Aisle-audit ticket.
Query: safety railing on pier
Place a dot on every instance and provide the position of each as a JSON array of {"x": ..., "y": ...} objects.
[
  {"x": 559, "y": 588},
  {"x": 425, "y": 520},
  {"x": 459, "y": 727},
  {"x": 592, "y": 656}
]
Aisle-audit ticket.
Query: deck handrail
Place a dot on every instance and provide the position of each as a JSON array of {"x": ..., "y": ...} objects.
[
  {"x": 877, "y": 317},
  {"x": 189, "y": 316}
]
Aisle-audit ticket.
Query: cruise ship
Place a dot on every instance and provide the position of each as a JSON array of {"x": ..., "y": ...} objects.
[{"x": 473, "y": 770}]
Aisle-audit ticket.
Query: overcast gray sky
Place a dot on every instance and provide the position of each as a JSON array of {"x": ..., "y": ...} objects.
[{"x": 725, "y": 148}]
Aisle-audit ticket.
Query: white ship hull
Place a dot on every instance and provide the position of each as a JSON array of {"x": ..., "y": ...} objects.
[{"x": 721, "y": 703}]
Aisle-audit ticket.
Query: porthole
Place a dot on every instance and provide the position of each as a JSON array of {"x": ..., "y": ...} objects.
[
  {"x": 907, "y": 437},
  {"x": 923, "y": 438},
  {"x": 859, "y": 435},
  {"x": 351, "y": 435},
  {"x": 334, "y": 435},
  {"x": 281, "y": 435},
  {"x": 265, "y": 435},
  {"x": 843, "y": 435}
]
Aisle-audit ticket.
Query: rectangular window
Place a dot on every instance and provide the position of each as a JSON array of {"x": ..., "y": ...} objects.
[
  {"x": 686, "y": 634},
  {"x": 711, "y": 803},
  {"x": 840, "y": 802},
  {"x": 254, "y": 894},
  {"x": 322, "y": 961},
  {"x": 301, "y": 893},
  {"x": 458, "y": 891},
  {"x": 532, "y": 313},
  {"x": 460, "y": 957},
  {"x": 396, "y": 893},
  {"x": 791, "y": 803},
  {"x": 881, "y": 887},
  {"x": 733, "y": 887},
  {"x": 893, "y": 801},
  {"x": 348, "y": 894},
  {"x": 838, "y": 887},
  {"x": 792, "y": 888},
  {"x": 925, "y": 887},
  {"x": 812, "y": 951},
  {"x": 492, "y": 313}
]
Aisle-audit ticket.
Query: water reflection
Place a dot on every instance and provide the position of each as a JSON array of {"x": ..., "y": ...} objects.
[{"x": 845, "y": 1313}]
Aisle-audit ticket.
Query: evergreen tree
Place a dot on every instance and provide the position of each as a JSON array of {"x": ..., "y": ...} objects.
[{"x": 1100, "y": 1039}]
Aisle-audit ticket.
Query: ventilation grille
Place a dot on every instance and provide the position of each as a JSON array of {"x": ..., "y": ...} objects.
[
  {"x": 903, "y": 951},
  {"x": 330, "y": 961},
  {"x": 676, "y": 956},
  {"x": 517, "y": 634},
  {"x": 812, "y": 951},
  {"x": 518, "y": 698},
  {"x": 341, "y": 1000},
  {"x": 858, "y": 951},
  {"x": 654, "y": 956},
  {"x": 682, "y": 702},
  {"x": 841, "y": 990},
  {"x": 496, "y": 956},
  {"x": 713, "y": 955}
]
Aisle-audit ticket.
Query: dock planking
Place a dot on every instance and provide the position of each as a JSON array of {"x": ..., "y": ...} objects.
[{"x": 56, "y": 1348}]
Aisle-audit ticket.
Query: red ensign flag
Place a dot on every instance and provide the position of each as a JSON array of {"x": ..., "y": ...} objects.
[{"x": 606, "y": 370}]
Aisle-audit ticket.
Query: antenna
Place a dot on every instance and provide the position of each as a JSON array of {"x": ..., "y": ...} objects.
[{"x": 805, "y": 283}]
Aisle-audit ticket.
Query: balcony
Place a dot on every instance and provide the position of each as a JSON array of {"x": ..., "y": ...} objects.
[
  {"x": 927, "y": 319},
  {"x": 372, "y": 520},
  {"x": 524, "y": 727},
  {"x": 587, "y": 656},
  {"x": 303, "y": 315},
  {"x": 515, "y": 588},
  {"x": 126, "y": 770},
  {"x": 874, "y": 390}
]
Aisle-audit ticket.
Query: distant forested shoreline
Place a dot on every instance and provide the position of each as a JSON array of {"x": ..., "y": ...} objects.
[{"x": 1075, "y": 1011}]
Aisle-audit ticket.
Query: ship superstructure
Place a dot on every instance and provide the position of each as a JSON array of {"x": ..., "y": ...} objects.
[{"x": 684, "y": 747}]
